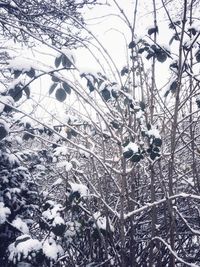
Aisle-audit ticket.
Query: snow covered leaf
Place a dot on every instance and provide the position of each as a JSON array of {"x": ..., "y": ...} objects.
[
  {"x": 24, "y": 247},
  {"x": 131, "y": 151},
  {"x": 83, "y": 152},
  {"x": 4, "y": 213},
  {"x": 152, "y": 30},
  {"x": 7, "y": 100},
  {"x": 20, "y": 64},
  {"x": 92, "y": 80},
  {"x": 68, "y": 166},
  {"x": 101, "y": 222},
  {"x": 131, "y": 146},
  {"x": 76, "y": 192},
  {"x": 58, "y": 226},
  {"x": 61, "y": 150},
  {"x": 52, "y": 210},
  {"x": 52, "y": 250},
  {"x": 153, "y": 132},
  {"x": 20, "y": 225},
  {"x": 72, "y": 228},
  {"x": 58, "y": 182},
  {"x": 80, "y": 188},
  {"x": 2, "y": 106}
]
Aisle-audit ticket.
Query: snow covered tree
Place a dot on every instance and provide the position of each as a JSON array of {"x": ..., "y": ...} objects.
[
  {"x": 55, "y": 22},
  {"x": 117, "y": 177}
]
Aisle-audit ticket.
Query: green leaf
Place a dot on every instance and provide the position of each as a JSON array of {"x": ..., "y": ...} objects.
[
  {"x": 153, "y": 30},
  {"x": 198, "y": 102},
  {"x": 124, "y": 71},
  {"x": 55, "y": 79},
  {"x": 16, "y": 93},
  {"x": 27, "y": 91},
  {"x": 148, "y": 126},
  {"x": 132, "y": 44},
  {"x": 52, "y": 88},
  {"x": 3, "y": 132},
  {"x": 28, "y": 135},
  {"x": 59, "y": 229},
  {"x": 192, "y": 30},
  {"x": 157, "y": 142},
  {"x": 106, "y": 94},
  {"x": 69, "y": 135},
  {"x": 17, "y": 73},
  {"x": 150, "y": 54},
  {"x": 153, "y": 155},
  {"x": 174, "y": 24},
  {"x": 128, "y": 154},
  {"x": 197, "y": 55},
  {"x": 174, "y": 65},
  {"x": 141, "y": 50},
  {"x": 66, "y": 62},
  {"x": 142, "y": 105},
  {"x": 31, "y": 73},
  {"x": 161, "y": 56},
  {"x": 115, "y": 124},
  {"x": 90, "y": 85},
  {"x": 60, "y": 95},
  {"x": 114, "y": 94},
  {"x": 166, "y": 93},
  {"x": 73, "y": 132},
  {"x": 136, "y": 158},
  {"x": 173, "y": 86},
  {"x": 58, "y": 60},
  {"x": 66, "y": 87}
]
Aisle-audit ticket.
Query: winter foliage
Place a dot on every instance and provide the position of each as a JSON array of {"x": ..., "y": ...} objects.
[{"x": 115, "y": 180}]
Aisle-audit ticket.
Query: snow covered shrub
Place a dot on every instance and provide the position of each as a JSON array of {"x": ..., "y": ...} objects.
[{"x": 18, "y": 198}]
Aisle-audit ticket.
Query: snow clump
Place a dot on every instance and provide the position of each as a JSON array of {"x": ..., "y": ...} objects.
[{"x": 4, "y": 212}]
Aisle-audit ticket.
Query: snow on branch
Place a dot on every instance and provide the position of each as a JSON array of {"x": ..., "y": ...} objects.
[
  {"x": 174, "y": 253},
  {"x": 150, "y": 205}
]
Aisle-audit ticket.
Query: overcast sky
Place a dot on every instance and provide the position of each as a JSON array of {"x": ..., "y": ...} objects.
[{"x": 113, "y": 33}]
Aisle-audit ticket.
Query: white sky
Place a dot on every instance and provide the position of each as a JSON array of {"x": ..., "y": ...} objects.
[{"x": 112, "y": 32}]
